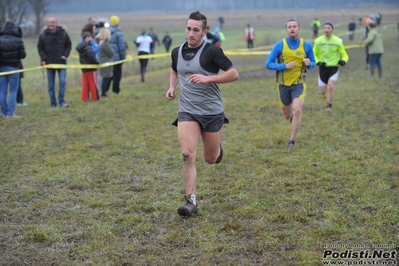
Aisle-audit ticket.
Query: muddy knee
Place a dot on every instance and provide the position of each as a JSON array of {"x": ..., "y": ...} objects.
[{"x": 187, "y": 158}]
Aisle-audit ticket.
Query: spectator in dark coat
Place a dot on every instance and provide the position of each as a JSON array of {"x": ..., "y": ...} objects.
[
  {"x": 12, "y": 50},
  {"x": 351, "y": 29},
  {"x": 167, "y": 41},
  {"x": 155, "y": 40},
  {"x": 54, "y": 47}
]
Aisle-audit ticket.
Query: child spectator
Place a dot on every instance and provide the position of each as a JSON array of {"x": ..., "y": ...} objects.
[{"x": 87, "y": 56}]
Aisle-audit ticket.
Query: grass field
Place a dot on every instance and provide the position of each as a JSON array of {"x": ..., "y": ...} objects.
[{"x": 99, "y": 183}]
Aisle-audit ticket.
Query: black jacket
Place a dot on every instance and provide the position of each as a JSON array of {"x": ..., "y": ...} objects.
[
  {"x": 52, "y": 46},
  {"x": 86, "y": 55},
  {"x": 12, "y": 48}
]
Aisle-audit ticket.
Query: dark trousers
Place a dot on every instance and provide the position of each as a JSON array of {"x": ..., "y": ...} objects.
[
  {"x": 116, "y": 79},
  {"x": 105, "y": 86},
  {"x": 250, "y": 44},
  {"x": 143, "y": 63},
  {"x": 20, "y": 93},
  {"x": 367, "y": 56},
  {"x": 315, "y": 33}
]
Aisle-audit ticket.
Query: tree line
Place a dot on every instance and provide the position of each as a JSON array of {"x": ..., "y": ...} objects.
[{"x": 18, "y": 10}]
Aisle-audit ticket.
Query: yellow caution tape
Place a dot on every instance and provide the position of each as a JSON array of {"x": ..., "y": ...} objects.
[{"x": 236, "y": 52}]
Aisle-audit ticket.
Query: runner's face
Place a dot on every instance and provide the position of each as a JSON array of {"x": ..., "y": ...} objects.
[
  {"x": 194, "y": 33},
  {"x": 327, "y": 29},
  {"x": 292, "y": 29}
]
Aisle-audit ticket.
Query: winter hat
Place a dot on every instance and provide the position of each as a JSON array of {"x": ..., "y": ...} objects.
[
  {"x": 114, "y": 20},
  {"x": 328, "y": 23}
]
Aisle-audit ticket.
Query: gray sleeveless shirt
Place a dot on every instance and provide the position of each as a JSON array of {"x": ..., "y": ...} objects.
[{"x": 199, "y": 99}]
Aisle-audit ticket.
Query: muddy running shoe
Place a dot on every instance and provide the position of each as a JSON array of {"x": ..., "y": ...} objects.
[
  {"x": 219, "y": 159},
  {"x": 188, "y": 209},
  {"x": 291, "y": 145}
]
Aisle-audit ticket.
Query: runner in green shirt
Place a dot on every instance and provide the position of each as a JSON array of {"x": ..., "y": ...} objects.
[{"x": 329, "y": 52}]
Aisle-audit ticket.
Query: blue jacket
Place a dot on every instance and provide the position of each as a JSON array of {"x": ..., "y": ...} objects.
[{"x": 118, "y": 43}]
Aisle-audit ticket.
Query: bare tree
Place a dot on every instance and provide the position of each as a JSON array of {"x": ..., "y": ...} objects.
[
  {"x": 39, "y": 8},
  {"x": 15, "y": 10}
]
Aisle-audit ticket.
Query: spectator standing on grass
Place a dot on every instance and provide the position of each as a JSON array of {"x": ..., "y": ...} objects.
[
  {"x": 20, "y": 93},
  {"x": 330, "y": 53},
  {"x": 315, "y": 24},
  {"x": 54, "y": 47},
  {"x": 221, "y": 22},
  {"x": 87, "y": 57},
  {"x": 249, "y": 35},
  {"x": 210, "y": 37},
  {"x": 378, "y": 19},
  {"x": 220, "y": 35},
  {"x": 105, "y": 56},
  {"x": 118, "y": 45},
  {"x": 167, "y": 41},
  {"x": 351, "y": 29},
  {"x": 294, "y": 57},
  {"x": 99, "y": 26},
  {"x": 91, "y": 27},
  {"x": 155, "y": 40},
  {"x": 12, "y": 50},
  {"x": 375, "y": 46},
  {"x": 196, "y": 65},
  {"x": 365, "y": 34},
  {"x": 143, "y": 43}
]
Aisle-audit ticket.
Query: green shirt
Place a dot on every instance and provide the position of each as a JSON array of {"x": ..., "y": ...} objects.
[
  {"x": 329, "y": 50},
  {"x": 317, "y": 22},
  {"x": 374, "y": 41}
]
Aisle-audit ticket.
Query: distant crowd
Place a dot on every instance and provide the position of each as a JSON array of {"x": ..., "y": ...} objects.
[
  {"x": 199, "y": 66},
  {"x": 102, "y": 41}
]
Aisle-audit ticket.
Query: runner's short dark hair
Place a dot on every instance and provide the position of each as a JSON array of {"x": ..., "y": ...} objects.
[
  {"x": 200, "y": 17},
  {"x": 290, "y": 21}
]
